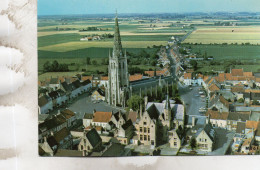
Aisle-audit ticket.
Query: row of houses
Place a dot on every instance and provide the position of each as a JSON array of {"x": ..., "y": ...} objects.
[{"x": 61, "y": 94}]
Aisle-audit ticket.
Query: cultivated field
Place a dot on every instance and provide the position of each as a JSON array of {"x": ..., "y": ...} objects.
[{"x": 230, "y": 35}]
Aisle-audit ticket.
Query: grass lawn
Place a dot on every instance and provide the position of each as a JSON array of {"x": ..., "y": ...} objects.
[{"x": 48, "y": 75}]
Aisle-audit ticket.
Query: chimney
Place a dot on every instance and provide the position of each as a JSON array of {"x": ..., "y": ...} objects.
[{"x": 193, "y": 121}]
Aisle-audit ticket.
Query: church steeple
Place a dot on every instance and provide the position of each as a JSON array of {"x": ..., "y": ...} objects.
[{"x": 117, "y": 49}]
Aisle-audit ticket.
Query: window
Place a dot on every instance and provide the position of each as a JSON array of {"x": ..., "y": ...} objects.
[
  {"x": 175, "y": 143},
  {"x": 148, "y": 130},
  {"x": 141, "y": 129},
  {"x": 88, "y": 148},
  {"x": 205, "y": 140},
  {"x": 145, "y": 137},
  {"x": 141, "y": 137},
  {"x": 148, "y": 137},
  {"x": 152, "y": 142},
  {"x": 200, "y": 139},
  {"x": 144, "y": 123},
  {"x": 144, "y": 129}
]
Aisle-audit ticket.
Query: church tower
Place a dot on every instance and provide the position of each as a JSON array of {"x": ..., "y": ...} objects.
[{"x": 117, "y": 72}]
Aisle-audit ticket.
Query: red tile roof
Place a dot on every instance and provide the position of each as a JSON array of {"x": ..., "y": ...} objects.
[
  {"x": 217, "y": 115},
  {"x": 237, "y": 72},
  {"x": 187, "y": 75},
  {"x": 251, "y": 124},
  {"x": 104, "y": 78},
  {"x": 135, "y": 77},
  {"x": 102, "y": 117}
]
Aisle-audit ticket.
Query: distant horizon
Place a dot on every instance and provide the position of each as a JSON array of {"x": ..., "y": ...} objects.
[
  {"x": 87, "y": 7},
  {"x": 258, "y": 12}
]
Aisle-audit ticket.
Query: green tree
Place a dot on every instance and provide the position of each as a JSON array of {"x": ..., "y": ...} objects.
[
  {"x": 46, "y": 66},
  {"x": 94, "y": 62},
  {"x": 55, "y": 66},
  {"x": 194, "y": 64},
  {"x": 88, "y": 61},
  {"x": 134, "y": 102},
  {"x": 193, "y": 143},
  {"x": 241, "y": 100}
]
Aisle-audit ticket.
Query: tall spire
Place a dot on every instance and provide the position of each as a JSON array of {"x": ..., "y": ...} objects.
[{"x": 117, "y": 49}]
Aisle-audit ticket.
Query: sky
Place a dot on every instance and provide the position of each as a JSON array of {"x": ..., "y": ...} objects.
[{"x": 63, "y": 7}]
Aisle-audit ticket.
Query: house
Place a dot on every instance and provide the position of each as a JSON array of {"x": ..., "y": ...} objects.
[
  {"x": 70, "y": 117},
  {"x": 200, "y": 128},
  {"x": 98, "y": 95},
  {"x": 87, "y": 120},
  {"x": 49, "y": 146},
  {"x": 118, "y": 119},
  {"x": 217, "y": 119},
  {"x": 234, "y": 118},
  {"x": 218, "y": 102},
  {"x": 245, "y": 148},
  {"x": 91, "y": 142},
  {"x": 63, "y": 139},
  {"x": 113, "y": 150},
  {"x": 103, "y": 81},
  {"x": 175, "y": 139},
  {"x": 158, "y": 117},
  {"x": 102, "y": 119},
  {"x": 45, "y": 104},
  {"x": 133, "y": 116},
  {"x": 58, "y": 97},
  {"x": 86, "y": 85},
  {"x": 187, "y": 79},
  {"x": 125, "y": 132}
]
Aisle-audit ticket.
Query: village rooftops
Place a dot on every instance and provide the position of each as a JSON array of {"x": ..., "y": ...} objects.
[
  {"x": 237, "y": 72},
  {"x": 43, "y": 100},
  {"x": 88, "y": 116},
  {"x": 93, "y": 137},
  {"x": 217, "y": 115},
  {"x": 62, "y": 134},
  {"x": 238, "y": 116},
  {"x": 102, "y": 117},
  {"x": 241, "y": 127}
]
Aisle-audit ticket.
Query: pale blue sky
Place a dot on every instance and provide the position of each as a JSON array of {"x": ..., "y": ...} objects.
[{"x": 61, "y": 7}]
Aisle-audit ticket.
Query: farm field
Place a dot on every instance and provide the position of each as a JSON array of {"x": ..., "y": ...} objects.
[
  {"x": 228, "y": 52},
  {"x": 229, "y": 35}
]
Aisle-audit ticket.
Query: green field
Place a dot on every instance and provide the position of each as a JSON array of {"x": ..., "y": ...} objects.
[
  {"x": 228, "y": 52},
  {"x": 219, "y": 35}
]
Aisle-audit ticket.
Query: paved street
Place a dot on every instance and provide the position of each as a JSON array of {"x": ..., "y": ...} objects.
[
  {"x": 192, "y": 102},
  {"x": 84, "y": 105}
]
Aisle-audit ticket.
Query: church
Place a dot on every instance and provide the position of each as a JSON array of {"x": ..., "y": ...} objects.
[{"x": 117, "y": 89}]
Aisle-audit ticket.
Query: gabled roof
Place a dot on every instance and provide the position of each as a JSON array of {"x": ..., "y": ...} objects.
[
  {"x": 104, "y": 78},
  {"x": 52, "y": 141},
  {"x": 67, "y": 113},
  {"x": 248, "y": 74},
  {"x": 127, "y": 124},
  {"x": 88, "y": 116},
  {"x": 213, "y": 87},
  {"x": 135, "y": 77},
  {"x": 102, "y": 117},
  {"x": 237, "y": 89},
  {"x": 60, "y": 135},
  {"x": 43, "y": 100},
  {"x": 76, "y": 84},
  {"x": 93, "y": 137},
  {"x": 86, "y": 82},
  {"x": 217, "y": 115},
  {"x": 83, "y": 78},
  {"x": 66, "y": 86},
  {"x": 210, "y": 131},
  {"x": 132, "y": 115},
  {"x": 238, "y": 116}
]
